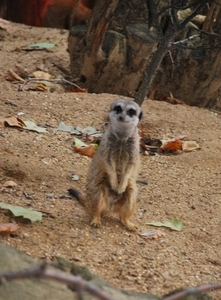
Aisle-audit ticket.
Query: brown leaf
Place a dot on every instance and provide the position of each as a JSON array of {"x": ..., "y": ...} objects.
[
  {"x": 171, "y": 147},
  {"x": 42, "y": 66},
  {"x": 9, "y": 184},
  {"x": 12, "y": 121},
  {"x": 12, "y": 76},
  {"x": 141, "y": 133},
  {"x": 173, "y": 100},
  {"x": 87, "y": 151},
  {"x": 42, "y": 75},
  {"x": 78, "y": 90},
  {"x": 190, "y": 146},
  {"x": 152, "y": 94},
  {"x": 8, "y": 227}
]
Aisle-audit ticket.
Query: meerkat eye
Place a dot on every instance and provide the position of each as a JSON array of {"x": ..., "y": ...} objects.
[
  {"x": 118, "y": 109},
  {"x": 131, "y": 112}
]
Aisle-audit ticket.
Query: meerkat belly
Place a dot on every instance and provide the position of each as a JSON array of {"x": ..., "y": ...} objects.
[{"x": 122, "y": 160}]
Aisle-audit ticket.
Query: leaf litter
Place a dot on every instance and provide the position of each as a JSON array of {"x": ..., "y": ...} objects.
[
  {"x": 173, "y": 225},
  {"x": 39, "y": 46},
  {"x": 12, "y": 121},
  {"x": 8, "y": 227},
  {"x": 153, "y": 234},
  {"x": 19, "y": 211}
]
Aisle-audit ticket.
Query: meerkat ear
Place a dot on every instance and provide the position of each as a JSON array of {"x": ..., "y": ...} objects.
[{"x": 140, "y": 115}]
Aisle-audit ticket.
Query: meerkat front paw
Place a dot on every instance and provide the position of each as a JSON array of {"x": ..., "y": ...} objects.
[{"x": 122, "y": 187}]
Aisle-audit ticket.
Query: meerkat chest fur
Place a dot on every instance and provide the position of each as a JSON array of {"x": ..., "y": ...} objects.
[{"x": 122, "y": 153}]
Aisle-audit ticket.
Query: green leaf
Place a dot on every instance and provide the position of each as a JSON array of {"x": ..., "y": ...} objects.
[
  {"x": 78, "y": 143},
  {"x": 89, "y": 130},
  {"x": 19, "y": 211},
  {"x": 33, "y": 127},
  {"x": 174, "y": 224},
  {"x": 63, "y": 127},
  {"x": 41, "y": 46}
]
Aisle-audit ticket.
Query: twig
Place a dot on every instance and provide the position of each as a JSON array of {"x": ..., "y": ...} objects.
[
  {"x": 59, "y": 81},
  {"x": 191, "y": 291},
  {"x": 60, "y": 67},
  {"x": 186, "y": 40},
  {"x": 43, "y": 271},
  {"x": 142, "y": 181}
]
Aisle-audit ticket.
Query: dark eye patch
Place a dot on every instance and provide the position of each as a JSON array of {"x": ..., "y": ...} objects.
[
  {"x": 131, "y": 112},
  {"x": 118, "y": 109}
]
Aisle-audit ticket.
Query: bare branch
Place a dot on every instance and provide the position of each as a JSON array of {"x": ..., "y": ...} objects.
[
  {"x": 59, "y": 81},
  {"x": 191, "y": 291},
  {"x": 47, "y": 271},
  {"x": 43, "y": 271}
]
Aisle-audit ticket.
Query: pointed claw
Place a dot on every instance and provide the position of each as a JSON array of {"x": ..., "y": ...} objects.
[{"x": 96, "y": 223}]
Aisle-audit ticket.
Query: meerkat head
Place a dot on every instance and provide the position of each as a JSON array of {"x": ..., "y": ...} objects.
[{"x": 124, "y": 117}]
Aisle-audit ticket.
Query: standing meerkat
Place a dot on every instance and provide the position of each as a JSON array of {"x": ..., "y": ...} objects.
[{"x": 111, "y": 180}]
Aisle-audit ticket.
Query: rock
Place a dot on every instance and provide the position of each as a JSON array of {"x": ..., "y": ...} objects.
[{"x": 33, "y": 289}]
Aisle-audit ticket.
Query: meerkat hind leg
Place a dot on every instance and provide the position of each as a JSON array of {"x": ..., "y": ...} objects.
[
  {"x": 97, "y": 208},
  {"x": 126, "y": 206}
]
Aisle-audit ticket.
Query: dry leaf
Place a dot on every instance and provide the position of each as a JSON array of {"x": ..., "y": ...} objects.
[
  {"x": 173, "y": 100},
  {"x": 12, "y": 76},
  {"x": 200, "y": 19},
  {"x": 153, "y": 234},
  {"x": 42, "y": 75},
  {"x": 190, "y": 146},
  {"x": 9, "y": 184},
  {"x": 141, "y": 133},
  {"x": 42, "y": 66},
  {"x": 12, "y": 121},
  {"x": 88, "y": 150},
  {"x": 143, "y": 145},
  {"x": 78, "y": 90},
  {"x": 171, "y": 147},
  {"x": 152, "y": 94},
  {"x": 21, "y": 71},
  {"x": 41, "y": 86},
  {"x": 8, "y": 227}
]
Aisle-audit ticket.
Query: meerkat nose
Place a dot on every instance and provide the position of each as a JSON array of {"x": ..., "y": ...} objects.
[{"x": 121, "y": 118}]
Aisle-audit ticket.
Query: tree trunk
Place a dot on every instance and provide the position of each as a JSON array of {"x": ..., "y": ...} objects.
[
  {"x": 112, "y": 52},
  {"x": 124, "y": 44}
]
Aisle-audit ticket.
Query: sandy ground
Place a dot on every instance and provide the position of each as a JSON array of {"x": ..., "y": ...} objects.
[{"x": 184, "y": 186}]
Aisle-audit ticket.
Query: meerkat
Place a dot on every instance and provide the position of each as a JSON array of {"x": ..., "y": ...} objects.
[{"x": 111, "y": 179}]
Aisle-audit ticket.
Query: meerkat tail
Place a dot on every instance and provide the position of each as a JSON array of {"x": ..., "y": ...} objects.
[{"x": 80, "y": 198}]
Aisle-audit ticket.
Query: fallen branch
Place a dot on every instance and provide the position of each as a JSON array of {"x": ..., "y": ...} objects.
[
  {"x": 43, "y": 271},
  {"x": 46, "y": 270},
  {"x": 191, "y": 291}
]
